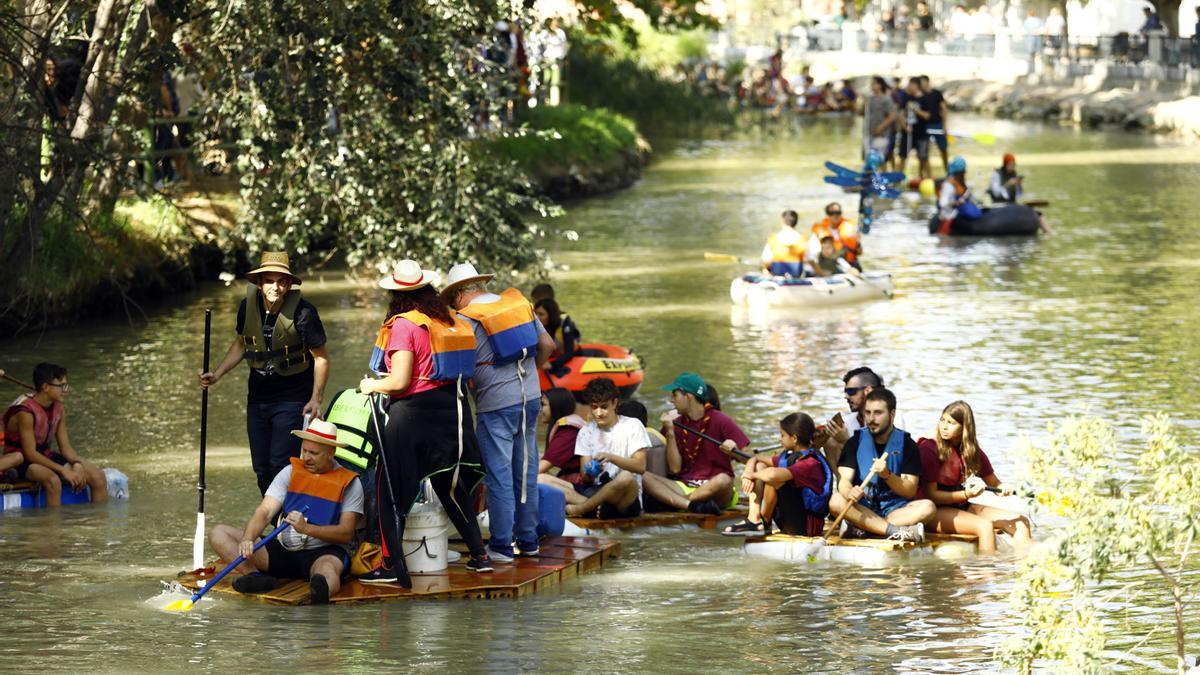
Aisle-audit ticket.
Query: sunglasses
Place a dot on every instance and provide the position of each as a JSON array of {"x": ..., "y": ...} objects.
[
  {"x": 833, "y": 213},
  {"x": 851, "y": 391}
]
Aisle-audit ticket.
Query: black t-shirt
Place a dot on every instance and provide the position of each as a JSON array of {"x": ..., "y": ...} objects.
[
  {"x": 273, "y": 387},
  {"x": 909, "y": 464},
  {"x": 931, "y": 103}
]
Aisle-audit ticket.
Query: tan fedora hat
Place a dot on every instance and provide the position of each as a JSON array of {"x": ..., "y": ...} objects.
[
  {"x": 273, "y": 261},
  {"x": 407, "y": 275},
  {"x": 460, "y": 275},
  {"x": 321, "y": 432}
]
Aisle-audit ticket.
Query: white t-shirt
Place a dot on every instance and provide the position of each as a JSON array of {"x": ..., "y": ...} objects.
[
  {"x": 352, "y": 501},
  {"x": 622, "y": 439},
  {"x": 852, "y": 424}
]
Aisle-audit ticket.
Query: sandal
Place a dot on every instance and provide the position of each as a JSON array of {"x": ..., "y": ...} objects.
[{"x": 745, "y": 529}]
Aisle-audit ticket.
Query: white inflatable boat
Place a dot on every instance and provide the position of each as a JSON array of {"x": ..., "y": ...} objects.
[
  {"x": 865, "y": 552},
  {"x": 755, "y": 290}
]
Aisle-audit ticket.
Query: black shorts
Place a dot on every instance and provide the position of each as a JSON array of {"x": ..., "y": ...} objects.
[
  {"x": 610, "y": 511},
  {"x": 790, "y": 515},
  {"x": 53, "y": 457},
  {"x": 285, "y": 564}
]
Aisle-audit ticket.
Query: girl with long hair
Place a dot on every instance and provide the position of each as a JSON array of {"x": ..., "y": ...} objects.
[
  {"x": 954, "y": 470},
  {"x": 561, "y": 415}
]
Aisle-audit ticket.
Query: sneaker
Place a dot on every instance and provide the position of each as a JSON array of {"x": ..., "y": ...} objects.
[
  {"x": 498, "y": 557},
  {"x": 913, "y": 533},
  {"x": 708, "y": 507},
  {"x": 255, "y": 583},
  {"x": 526, "y": 552},
  {"x": 379, "y": 575},
  {"x": 852, "y": 531},
  {"x": 480, "y": 564},
  {"x": 318, "y": 590}
]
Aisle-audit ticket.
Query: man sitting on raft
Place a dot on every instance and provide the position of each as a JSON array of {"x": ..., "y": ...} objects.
[
  {"x": 884, "y": 506},
  {"x": 783, "y": 256},
  {"x": 857, "y": 383},
  {"x": 317, "y": 545},
  {"x": 791, "y": 488},
  {"x": 701, "y": 471},
  {"x": 612, "y": 451}
]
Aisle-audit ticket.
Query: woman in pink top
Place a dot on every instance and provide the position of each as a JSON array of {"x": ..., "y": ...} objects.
[{"x": 426, "y": 420}]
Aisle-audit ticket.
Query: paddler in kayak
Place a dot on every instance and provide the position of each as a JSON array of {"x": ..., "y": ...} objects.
[
  {"x": 701, "y": 472},
  {"x": 792, "y": 488},
  {"x": 33, "y": 424},
  {"x": 888, "y": 505},
  {"x": 783, "y": 255},
  {"x": 321, "y": 500},
  {"x": 954, "y": 470}
]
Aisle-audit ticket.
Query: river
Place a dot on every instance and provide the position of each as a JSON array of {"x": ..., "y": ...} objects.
[{"x": 1098, "y": 317}]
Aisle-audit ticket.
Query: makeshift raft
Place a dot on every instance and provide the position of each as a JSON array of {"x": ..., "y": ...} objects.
[
  {"x": 561, "y": 558},
  {"x": 866, "y": 552},
  {"x": 705, "y": 521},
  {"x": 26, "y": 495}
]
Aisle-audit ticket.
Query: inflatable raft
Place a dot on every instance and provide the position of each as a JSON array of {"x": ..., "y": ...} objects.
[
  {"x": 1010, "y": 220},
  {"x": 618, "y": 364},
  {"x": 865, "y": 552},
  {"x": 756, "y": 290}
]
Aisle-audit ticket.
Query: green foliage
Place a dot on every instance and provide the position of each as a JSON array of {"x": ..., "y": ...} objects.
[
  {"x": 566, "y": 135},
  {"x": 1117, "y": 521}
]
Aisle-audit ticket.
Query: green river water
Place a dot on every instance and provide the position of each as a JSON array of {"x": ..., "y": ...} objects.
[{"x": 1098, "y": 317}]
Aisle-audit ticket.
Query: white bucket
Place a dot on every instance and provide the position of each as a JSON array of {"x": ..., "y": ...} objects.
[{"x": 424, "y": 541}]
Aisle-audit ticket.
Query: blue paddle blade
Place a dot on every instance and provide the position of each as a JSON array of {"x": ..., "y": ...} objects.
[
  {"x": 890, "y": 194},
  {"x": 843, "y": 171},
  {"x": 843, "y": 181},
  {"x": 892, "y": 177}
]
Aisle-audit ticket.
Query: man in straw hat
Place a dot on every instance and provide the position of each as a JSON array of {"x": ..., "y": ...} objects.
[
  {"x": 510, "y": 346},
  {"x": 280, "y": 336},
  {"x": 323, "y": 503}
]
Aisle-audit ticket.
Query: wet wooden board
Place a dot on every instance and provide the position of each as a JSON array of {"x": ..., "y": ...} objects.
[
  {"x": 561, "y": 558},
  {"x": 659, "y": 518}
]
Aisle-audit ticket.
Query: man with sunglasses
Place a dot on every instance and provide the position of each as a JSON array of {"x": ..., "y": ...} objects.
[
  {"x": 858, "y": 383},
  {"x": 33, "y": 424},
  {"x": 844, "y": 232}
]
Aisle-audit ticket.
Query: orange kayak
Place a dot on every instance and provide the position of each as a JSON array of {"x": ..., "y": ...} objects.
[{"x": 618, "y": 364}]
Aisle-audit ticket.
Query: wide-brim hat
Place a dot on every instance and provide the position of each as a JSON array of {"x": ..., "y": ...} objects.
[
  {"x": 461, "y": 275},
  {"x": 407, "y": 275},
  {"x": 273, "y": 261},
  {"x": 320, "y": 431}
]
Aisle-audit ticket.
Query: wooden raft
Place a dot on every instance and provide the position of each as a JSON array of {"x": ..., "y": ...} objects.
[
  {"x": 659, "y": 518},
  {"x": 561, "y": 558}
]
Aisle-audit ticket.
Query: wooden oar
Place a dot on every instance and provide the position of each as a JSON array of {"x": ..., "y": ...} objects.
[
  {"x": 726, "y": 258},
  {"x": 710, "y": 439},
  {"x": 17, "y": 382},
  {"x": 852, "y": 502},
  {"x": 1036, "y": 203}
]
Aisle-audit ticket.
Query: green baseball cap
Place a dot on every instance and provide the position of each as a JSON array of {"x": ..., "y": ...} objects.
[{"x": 690, "y": 383}]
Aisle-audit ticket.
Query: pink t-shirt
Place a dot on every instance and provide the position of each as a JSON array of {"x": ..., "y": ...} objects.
[{"x": 409, "y": 337}]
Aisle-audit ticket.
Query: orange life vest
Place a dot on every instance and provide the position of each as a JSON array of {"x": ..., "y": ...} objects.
[
  {"x": 845, "y": 236},
  {"x": 510, "y": 326},
  {"x": 451, "y": 346}
]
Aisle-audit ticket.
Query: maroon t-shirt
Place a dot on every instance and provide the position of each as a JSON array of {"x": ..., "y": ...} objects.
[
  {"x": 703, "y": 459},
  {"x": 561, "y": 450},
  {"x": 950, "y": 474}
]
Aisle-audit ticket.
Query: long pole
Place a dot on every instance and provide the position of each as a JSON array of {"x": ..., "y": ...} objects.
[{"x": 198, "y": 539}]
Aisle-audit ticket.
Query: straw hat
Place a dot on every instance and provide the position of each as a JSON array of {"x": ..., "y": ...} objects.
[
  {"x": 407, "y": 275},
  {"x": 273, "y": 261},
  {"x": 321, "y": 432},
  {"x": 462, "y": 274}
]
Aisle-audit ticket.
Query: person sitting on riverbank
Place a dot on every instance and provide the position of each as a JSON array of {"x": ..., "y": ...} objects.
[
  {"x": 563, "y": 330},
  {"x": 612, "y": 451},
  {"x": 563, "y": 416},
  {"x": 844, "y": 232},
  {"x": 281, "y": 338},
  {"x": 955, "y": 203},
  {"x": 33, "y": 424},
  {"x": 700, "y": 471},
  {"x": 783, "y": 256},
  {"x": 321, "y": 500},
  {"x": 1006, "y": 187},
  {"x": 954, "y": 470},
  {"x": 888, "y": 505},
  {"x": 792, "y": 488}
]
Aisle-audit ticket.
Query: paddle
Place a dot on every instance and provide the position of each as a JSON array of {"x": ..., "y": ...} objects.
[
  {"x": 185, "y": 605},
  {"x": 852, "y": 502},
  {"x": 17, "y": 382},
  {"x": 198, "y": 539},
  {"x": 710, "y": 439},
  {"x": 727, "y": 258},
  {"x": 1036, "y": 203},
  {"x": 983, "y": 138}
]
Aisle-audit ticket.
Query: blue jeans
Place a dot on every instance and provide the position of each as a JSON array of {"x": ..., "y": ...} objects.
[
  {"x": 270, "y": 426},
  {"x": 504, "y": 458}
]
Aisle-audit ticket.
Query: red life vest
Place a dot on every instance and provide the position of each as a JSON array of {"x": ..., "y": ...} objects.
[{"x": 45, "y": 424}]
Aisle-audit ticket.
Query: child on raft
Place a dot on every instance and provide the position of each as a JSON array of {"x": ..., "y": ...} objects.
[{"x": 792, "y": 488}]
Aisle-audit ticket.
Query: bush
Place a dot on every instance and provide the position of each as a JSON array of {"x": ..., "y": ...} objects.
[{"x": 565, "y": 135}]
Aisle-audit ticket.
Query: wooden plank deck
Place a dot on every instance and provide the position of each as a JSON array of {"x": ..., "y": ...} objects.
[
  {"x": 561, "y": 558},
  {"x": 659, "y": 518}
]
